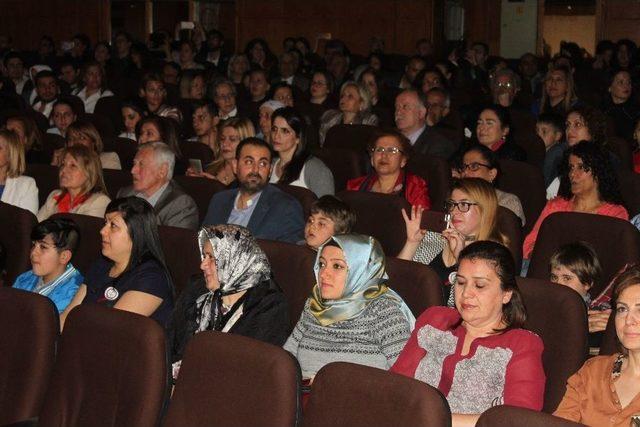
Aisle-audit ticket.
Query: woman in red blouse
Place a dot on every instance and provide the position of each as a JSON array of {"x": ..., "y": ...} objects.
[
  {"x": 390, "y": 152},
  {"x": 477, "y": 354}
]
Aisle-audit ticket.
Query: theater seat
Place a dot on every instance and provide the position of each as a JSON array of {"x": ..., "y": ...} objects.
[
  {"x": 615, "y": 241},
  {"x": 230, "y": 380},
  {"x": 305, "y": 197},
  {"x": 437, "y": 173},
  {"x": 90, "y": 245},
  {"x": 197, "y": 150},
  {"x": 346, "y": 394},
  {"x": 630, "y": 188},
  {"x": 46, "y": 177},
  {"x": 181, "y": 253},
  {"x": 28, "y": 334},
  {"x": 508, "y": 416},
  {"x": 557, "y": 314},
  {"x": 103, "y": 124},
  {"x": 344, "y": 163},
  {"x": 115, "y": 180},
  {"x": 109, "y": 106},
  {"x": 526, "y": 182},
  {"x": 417, "y": 284},
  {"x": 15, "y": 237},
  {"x": 201, "y": 190},
  {"x": 356, "y": 137},
  {"x": 622, "y": 149},
  {"x": 126, "y": 150},
  {"x": 111, "y": 370}
]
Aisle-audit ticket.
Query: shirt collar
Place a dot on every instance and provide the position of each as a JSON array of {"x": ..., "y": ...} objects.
[{"x": 413, "y": 137}]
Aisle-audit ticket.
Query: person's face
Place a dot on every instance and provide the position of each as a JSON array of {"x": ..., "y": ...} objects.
[
  {"x": 264, "y": 116},
  {"x": 258, "y": 54},
  {"x": 186, "y": 54},
  {"x": 16, "y": 126},
  {"x": 319, "y": 86},
  {"x": 436, "y": 108},
  {"x": 258, "y": 85},
  {"x": 563, "y": 276},
  {"x": 46, "y": 48},
  {"x": 623, "y": 55},
  {"x": 620, "y": 88},
  {"x": 480, "y": 55},
  {"x": 410, "y": 113},
  {"x": 576, "y": 129},
  {"x": 370, "y": 82},
  {"x": 93, "y": 78},
  {"x": 197, "y": 88},
  {"x": 284, "y": 95},
  {"x": 384, "y": 160},
  {"x": 46, "y": 260},
  {"x": 548, "y": 134},
  {"x": 63, "y": 116},
  {"x": 154, "y": 94},
  {"x": 556, "y": 85},
  {"x": 430, "y": 81},
  {"x": 78, "y": 48},
  {"x": 225, "y": 99},
  {"x": 318, "y": 229},
  {"x": 350, "y": 101},
  {"x": 79, "y": 138},
  {"x": 478, "y": 294},
  {"x": 131, "y": 118},
  {"x": 209, "y": 268},
  {"x": 375, "y": 63},
  {"x": 240, "y": 65},
  {"x": 229, "y": 140},
  {"x": 425, "y": 49},
  {"x": 413, "y": 68},
  {"x": 214, "y": 42},
  {"x": 301, "y": 47},
  {"x": 101, "y": 54},
  {"x": 476, "y": 166},
  {"x": 283, "y": 137},
  {"x": 287, "y": 66},
  {"x": 146, "y": 172},
  {"x": 15, "y": 68},
  {"x": 467, "y": 223},
  {"x": 489, "y": 128},
  {"x": 332, "y": 273},
  {"x": 72, "y": 174},
  {"x": 338, "y": 66},
  {"x": 253, "y": 168},
  {"x": 4, "y": 154},
  {"x": 528, "y": 66},
  {"x": 149, "y": 133},
  {"x": 47, "y": 88},
  {"x": 504, "y": 90},
  {"x": 68, "y": 74},
  {"x": 116, "y": 241},
  {"x": 169, "y": 75},
  {"x": 628, "y": 318},
  {"x": 203, "y": 122},
  {"x": 581, "y": 177},
  {"x": 123, "y": 46}
]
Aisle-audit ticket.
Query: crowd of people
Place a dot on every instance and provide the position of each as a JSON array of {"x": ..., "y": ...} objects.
[{"x": 266, "y": 121}]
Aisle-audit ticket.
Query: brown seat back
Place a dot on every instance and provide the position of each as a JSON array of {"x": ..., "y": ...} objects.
[
  {"x": 111, "y": 370},
  {"x": 181, "y": 253},
  {"x": 417, "y": 284},
  {"x": 197, "y": 150},
  {"x": 526, "y": 182},
  {"x": 304, "y": 196},
  {"x": 115, "y": 180},
  {"x": 346, "y": 394},
  {"x": 260, "y": 381},
  {"x": 510, "y": 225},
  {"x": 15, "y": 237},
  {"x": 110, "y": 106},
  {"x": 90, "y": 245},
  {"x": 622, "y": 149},
  {"x": 506, "y": 416},
  {"x": 46, "y": 177},
  {"x": 201, "y": 190},
  {"x": 126, "y": 150},
  {"x": 344, "y": 163},
  {"x": 437, "y": 173},
  {"x": 630, "y": 188},
  {"x": 356, "y": 137},
  {"x": 28, "y": 334}
]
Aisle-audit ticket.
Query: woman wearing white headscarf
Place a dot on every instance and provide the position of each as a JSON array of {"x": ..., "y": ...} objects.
[{"x": 351, "y": 316}]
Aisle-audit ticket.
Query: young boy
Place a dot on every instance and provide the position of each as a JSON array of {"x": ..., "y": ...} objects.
[
  {"x": 550, "y": 128},
  {"x": 329, "y": 216},
  {"x": 53, "y": 243}
]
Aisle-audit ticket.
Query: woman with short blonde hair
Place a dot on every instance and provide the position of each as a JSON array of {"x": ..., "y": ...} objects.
[{"x": 15, "y": 189}]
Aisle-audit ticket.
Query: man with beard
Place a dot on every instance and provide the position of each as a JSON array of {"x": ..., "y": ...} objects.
[{"x": 265, "y": 210}]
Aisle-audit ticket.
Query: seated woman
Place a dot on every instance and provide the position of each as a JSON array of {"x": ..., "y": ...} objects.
[
  {"x": 351, "y": 316},
  {"x": 294, "y": 164},
  {"x": 132, "y": 274},
  {"x": 558, "y": 94},
  {"x": 373, "y": 80},
  {"x": 30, "y": 138},
  {"x": 472, "y": 209},
  {"x": 85, "y": 133},
  {"x": 264, "y": 118},
  {"x": 354, "y": 109},
  {"x": 477, "y": 354},
  {"x": 131, "y": 114},
  {"x": 390, "y": 152},
  {"x": 193, "y": 86},
  {"x": 479, "y": 161},
  {"x": 492, "y": 131},
  {"x": 620, "y": 106},
  {"x": 53, "y": 243},
  {"x": 606, "y": 390},
  {"x": 235, "y": 293},
  {"x": 162, "y": 129},
  {"x": 62, "y": 115},
  {"x": 588, "y": 184},
  {"x": 15, "y": 188},
  {"x": 82, "y": 188},
  {"x": 94, "y": 79}
]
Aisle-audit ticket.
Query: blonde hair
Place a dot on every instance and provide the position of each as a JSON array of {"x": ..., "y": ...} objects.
[
  {"x": 89, "y": 130},
  {"x": 245, "y": 129},
  {"x": 15, "y": 151},
  {"x": 32, "y": 135},
  {"x": 569, "y": 99},
  {"x": 89, "y": 161},
  {"x": 363, "y": 93}
]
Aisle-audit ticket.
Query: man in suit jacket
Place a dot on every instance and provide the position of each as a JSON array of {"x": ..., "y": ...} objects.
[
  {"x": 266, "y": 211},
  {"x": 152, "y": 172}
]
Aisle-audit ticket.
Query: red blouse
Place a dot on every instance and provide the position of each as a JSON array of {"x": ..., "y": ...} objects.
[{"x": 416, "y": 191}]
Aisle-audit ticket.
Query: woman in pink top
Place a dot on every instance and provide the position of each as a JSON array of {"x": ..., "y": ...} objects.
[{"x": 588, "y": 184}]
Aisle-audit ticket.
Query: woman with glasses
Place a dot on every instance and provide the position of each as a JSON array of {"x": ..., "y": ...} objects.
[
  {"x": 480, "y": 162},
  {"x": 390, "y": 152},
  {"x": 472, "y": 210},
  {"x": 559, "y": 93}
]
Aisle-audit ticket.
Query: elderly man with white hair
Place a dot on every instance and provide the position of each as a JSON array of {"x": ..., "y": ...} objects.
[{"x": 152, "y": 180}]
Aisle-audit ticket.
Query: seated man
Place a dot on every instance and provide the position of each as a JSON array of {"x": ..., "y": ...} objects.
[
  {"x": 154, "y": 97},
  {"x": 265, "y": 210},
  {"x": 53, "y": 243},
  {"x": 152, "y": 172},
  {"x": 47, "y": 91}
]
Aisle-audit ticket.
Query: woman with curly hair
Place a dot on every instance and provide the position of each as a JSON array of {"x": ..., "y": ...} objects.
[{"x": 588, "y": 184}]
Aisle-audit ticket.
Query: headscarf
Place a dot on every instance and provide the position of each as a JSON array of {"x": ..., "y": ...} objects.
[
  {"x": 241, "y": 264},
  {"x": 272, "y": 105},
  {"x": 366, "y": 282}
]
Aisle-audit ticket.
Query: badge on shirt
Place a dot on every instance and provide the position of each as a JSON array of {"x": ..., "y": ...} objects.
[{"x": 111, "y": 293}]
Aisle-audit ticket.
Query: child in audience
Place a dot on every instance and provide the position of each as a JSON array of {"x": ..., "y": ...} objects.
[
  {"x": 550, "y": 128},
  {"x": 576, "y": 266},
  {"x": 54, "y": 242},
  {"x": 329, "y": 216}
]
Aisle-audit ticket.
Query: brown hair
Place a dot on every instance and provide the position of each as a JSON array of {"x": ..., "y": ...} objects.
[
  {"x": 32, "y": 135},
  {"x": 405, "y": 144},
  {"x": 628, "y": 277},
  {"x": 581, "y": 259},
  {"x": 89, "y": 130},
  {"x": 90, "y": 163},
  {"x": 339, "y": 212}
]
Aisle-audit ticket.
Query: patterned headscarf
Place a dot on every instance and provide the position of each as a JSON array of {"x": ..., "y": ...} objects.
[
  {"x": 366, "y": 281},
  {"x": 241, "y": 264}
]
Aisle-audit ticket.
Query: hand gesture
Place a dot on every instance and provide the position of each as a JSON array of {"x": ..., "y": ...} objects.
[
  {"x": 598, "y": 320},
  {"x": 455, "y": 240},
  {"x": 412, "y": 224}
]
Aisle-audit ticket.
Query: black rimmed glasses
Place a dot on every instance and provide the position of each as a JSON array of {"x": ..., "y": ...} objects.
[
  {"x": 473, "y": 167},
  {"x": 388, "y": 150},
  {"x": 462, "y": 206}
]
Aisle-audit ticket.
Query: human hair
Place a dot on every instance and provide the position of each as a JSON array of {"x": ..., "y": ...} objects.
[
  {"x": 554, "y": 120},
  {"x": 417, "y": 83},
  {"x": 570, "y": 98},
  {"x": 363, "y": 93},
  {"x": 439, "y": 91},
  {"x": 162, "y": 154},
  {"x": 173, "y": 64},
  {"x": 279, "y": 85},
  {"x": 595, "y": 121},
  {"x": 32, "y": 135},
  {"x": 232, "y": 62},
  {"x": 483, "y": 45},
  {"x": 44, "y": 74},
  {"x": 87, "y": 129},
  {"x": 84, "y": 39},
  {"x": 483, "y": 193},
  {"x": 628, "y": 277},
  {"x": 90, "y": 162},
  {"x": 244, "y": 126},
  {"x": 512, "y": 75},
  {"x": 504, "y": 117},
  {"x": 166, "y": 127},
  {"x": 603, "y": 46},
  {"x": 103, "y": 75},
  {"x": 342, "y": 215},
  {"x": 150, "y": 77},
  {"x": 12, "y": 55},
  {"x": 211, "y": 108},
  {"x": 65, "y": 100},
  {"x": 405, "y": 144},
  {"x": 595, "y": 159},
  {"x": 220, "y": 82},
  {"x": 377, "y": 77},
  {"x": 15, "y": 151},
  {"x": 256, "y": 142},
  {"x": 514, "y": 313},
  {"x": 291, "y": 171},
  {"x": 611, "y": 77},
  {"x": 422, "y": 99},
  {"x": 488, "y": 156},
  {"x": 63, "y": 231},
  {"x": 328, "y": 78},
  {"x": 142, "y": 226},
  {"x": 581, "y": 259},
  {"x": 186, "y": 81}
]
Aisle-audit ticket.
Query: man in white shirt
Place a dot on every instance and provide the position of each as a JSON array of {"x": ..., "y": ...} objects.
[
  {"x": 47, "y": 91},
  {"x": 15, "y": 70}
]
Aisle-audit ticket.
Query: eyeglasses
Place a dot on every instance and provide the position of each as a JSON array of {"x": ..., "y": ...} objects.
[
  {"x": 462, "y": 206},
  {"x": 388, "y": 150},
  {"x": 504, "y": 84},
  {"x": 473, "y": 167}
]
